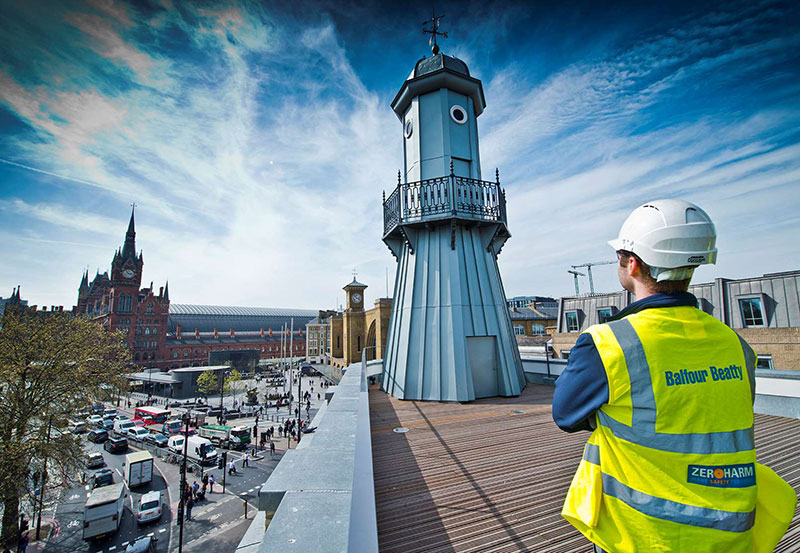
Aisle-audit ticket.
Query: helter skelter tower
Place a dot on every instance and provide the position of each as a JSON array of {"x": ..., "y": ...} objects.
[{"x": 450, "y": 334}]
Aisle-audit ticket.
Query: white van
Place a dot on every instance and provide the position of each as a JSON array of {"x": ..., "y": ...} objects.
[
  {"x": 175, "y": 444},
  {"x": 121, "y": 427},
  {"x": 201, "y": 450}
]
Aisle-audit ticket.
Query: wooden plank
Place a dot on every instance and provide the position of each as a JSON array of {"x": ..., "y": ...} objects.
[{"x": 478, "y": 477}]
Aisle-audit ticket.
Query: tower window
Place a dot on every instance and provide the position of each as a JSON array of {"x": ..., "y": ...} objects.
[
  {"x": 409, "y": 129},
  {"x": 458, "y": 114}
]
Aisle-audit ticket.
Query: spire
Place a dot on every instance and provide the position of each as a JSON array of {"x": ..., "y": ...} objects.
[
  {"x": 129, "y": 249},
  {"x": 166, "y": 292}
]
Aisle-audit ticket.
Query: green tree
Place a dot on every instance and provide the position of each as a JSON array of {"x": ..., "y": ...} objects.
[
  {"x": 208, "y": 382},
  {"x": 51, "y": 366},
  {"x": 234, "y": 384}
]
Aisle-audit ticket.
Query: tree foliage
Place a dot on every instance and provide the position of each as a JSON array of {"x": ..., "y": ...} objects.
[
  {"x": 51, "y": 366},
  {"x": 208, "y": 382}
]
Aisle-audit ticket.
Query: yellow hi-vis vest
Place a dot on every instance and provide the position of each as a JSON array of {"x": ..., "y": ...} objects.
[{"x": 671, "y": 465}]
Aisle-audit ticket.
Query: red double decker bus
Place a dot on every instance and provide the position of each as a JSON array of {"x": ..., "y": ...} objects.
[{"x": 151, "y": 415}]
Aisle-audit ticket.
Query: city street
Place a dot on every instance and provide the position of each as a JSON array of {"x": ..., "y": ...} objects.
[{"x": 218, "y": 522}]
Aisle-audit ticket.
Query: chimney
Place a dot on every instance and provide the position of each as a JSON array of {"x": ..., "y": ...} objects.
[
  {"x": 231, "y": 333},
  {"x": 300, "y": 330},
  {"x": 216, "y": 333},
  {"x": 262, "y": 332},
  {"x": 270, "y": 331},
  {"x": 161, "y": 292},
  {"x": 44, "y": 308},
  {"x": 178, "y": 332},
  {"x": 196, "y": 332}
]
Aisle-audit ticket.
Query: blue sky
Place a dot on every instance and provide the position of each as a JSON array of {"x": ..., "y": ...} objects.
[{"x": 256, "y": 138}]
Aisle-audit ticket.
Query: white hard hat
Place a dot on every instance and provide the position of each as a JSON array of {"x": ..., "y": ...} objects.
[{"x": 668, "y": 234}]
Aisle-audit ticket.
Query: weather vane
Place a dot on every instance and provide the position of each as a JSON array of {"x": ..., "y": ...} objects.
[{"x": 435, "y": 21}]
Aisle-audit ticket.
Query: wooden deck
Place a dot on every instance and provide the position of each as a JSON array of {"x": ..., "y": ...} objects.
[{"x": 479, "y": 477}]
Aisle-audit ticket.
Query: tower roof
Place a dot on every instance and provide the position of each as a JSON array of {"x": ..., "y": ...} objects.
[
  {"x": 129, "y": 249},
  {"x": 355, "y": 284},
  {"x": 435, "y": 72},
  {"x": 436, "y": 63}
]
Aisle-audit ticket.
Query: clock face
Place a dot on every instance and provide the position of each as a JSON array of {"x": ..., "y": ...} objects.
[
  {"x": 127, "y": 273},
  {"x": 356, "y": 298}
]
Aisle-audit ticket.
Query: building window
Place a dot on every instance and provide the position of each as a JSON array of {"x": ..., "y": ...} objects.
[
  {"x": 185, "y": 353},
  {"x": 751, "y": 312},
  {"x": 604, "y": 314},
  {"x": 175, "y": 354},
  {"x": 519, "y": 330},
  {"x": 147, "y": 331},
  {"x": 149, "y": 310},
  {"x": 358, "y": 343},
  {"x": 764, "y": 362},
  {"x": 572, "y": 321},
  {"x": 537, "y": 330},
  {"x": 565, "y": 354}
]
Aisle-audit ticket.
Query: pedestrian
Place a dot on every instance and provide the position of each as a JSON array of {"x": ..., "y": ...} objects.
[
  {"x": 211, "y": 483},
  {"x": 189, "y": 505},
  {"x": 22, "y": 544},
  {"x": 245, "y": 460},
  {"x": 232, "y": 467},
  {"x": 318, "y": 398},
  {"x": 195, "y": 487},
  {"x": 271, "y": 449},
  {"x": 613, "y": 383},
  {"x": 205, "y": 483}
]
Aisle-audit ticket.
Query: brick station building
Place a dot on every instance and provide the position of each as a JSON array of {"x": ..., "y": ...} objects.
[{"x": 171, "y": 336}]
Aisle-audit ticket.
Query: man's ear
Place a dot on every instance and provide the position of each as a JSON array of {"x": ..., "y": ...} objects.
[{"x": 634, "y": 267}]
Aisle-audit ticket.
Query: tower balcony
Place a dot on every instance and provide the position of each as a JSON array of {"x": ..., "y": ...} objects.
[{"x": 448, "y": 198}]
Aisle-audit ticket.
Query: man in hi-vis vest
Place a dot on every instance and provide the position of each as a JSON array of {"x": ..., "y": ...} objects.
[{"x": 667, "y": 391}]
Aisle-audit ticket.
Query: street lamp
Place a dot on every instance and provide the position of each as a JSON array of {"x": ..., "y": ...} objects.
[{"x": 182, "y": 504}]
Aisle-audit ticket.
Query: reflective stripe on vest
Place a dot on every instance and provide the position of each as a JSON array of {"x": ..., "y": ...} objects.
[
  {"x": 644, "y": 406},
  {"x": 665, "y": 509}
]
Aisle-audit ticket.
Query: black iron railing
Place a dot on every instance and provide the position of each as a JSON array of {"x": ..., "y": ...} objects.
[{"x": 444, "y": 198}]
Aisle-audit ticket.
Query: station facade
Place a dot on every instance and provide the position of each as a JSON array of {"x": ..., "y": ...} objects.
[{"x": 170, "y": 336}]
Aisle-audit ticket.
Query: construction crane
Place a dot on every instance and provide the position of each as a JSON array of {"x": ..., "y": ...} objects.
[
  {"x": 576, "y": 274},
  {"x": 589, "y": 270}
]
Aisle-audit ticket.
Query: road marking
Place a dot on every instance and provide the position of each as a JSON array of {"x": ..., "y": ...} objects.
[
  {"x": 73, "y": 496},
  {"x": 73, "y": 523},
  {"x": 151, "y": 534},
  {"x": 86, "y": 487},
  {"x": 124, "y": 544},
  {"x": 250, "y": 490},
  {"x": 118, "y": 472},
  {"x": 243, "y": 493},
  {"x": 162, "y": 530},
  {"x": 112, "y": 548}
]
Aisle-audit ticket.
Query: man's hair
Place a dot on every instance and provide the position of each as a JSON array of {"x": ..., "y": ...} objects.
[{"x": 663, "y": 287}]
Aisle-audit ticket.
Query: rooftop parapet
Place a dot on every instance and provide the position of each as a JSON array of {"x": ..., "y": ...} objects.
[{"x": 321, "y": 495}]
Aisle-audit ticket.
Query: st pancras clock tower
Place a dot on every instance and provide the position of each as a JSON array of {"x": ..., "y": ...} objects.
[{"x": 450, "y": 336}]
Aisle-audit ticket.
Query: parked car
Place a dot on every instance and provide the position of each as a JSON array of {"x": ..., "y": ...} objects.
[
  {"x": 145, "y": 544},
  {"x": 95, "y": 420},
  {"x": 116, "y": 445},
  {"x": 77, "y": 427},
  {"x": 138, "y": 433},
  {"x": 150, "y": 507},
  {"x": 108, "y": 423},
  {"x": 157, "y": 439},
  {"x": 95, "y": 460},
  {"x": 104, "y": 477},
  {"x": 98, "y": 435},
  {"x": 109, "y": 413},
  {"x": 138, "y": 422}
]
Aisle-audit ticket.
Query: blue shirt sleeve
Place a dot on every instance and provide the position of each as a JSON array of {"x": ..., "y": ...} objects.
[{"x": 581, "y": 388}]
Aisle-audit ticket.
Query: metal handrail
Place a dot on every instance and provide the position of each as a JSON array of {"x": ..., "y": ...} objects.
[{"x": 444, "y": 198}]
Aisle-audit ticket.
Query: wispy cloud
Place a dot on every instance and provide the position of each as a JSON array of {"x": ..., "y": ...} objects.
[{"x": 257, "y": 153}]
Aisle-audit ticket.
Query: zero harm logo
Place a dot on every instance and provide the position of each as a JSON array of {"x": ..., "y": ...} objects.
[{"x": 723, "y": 476}]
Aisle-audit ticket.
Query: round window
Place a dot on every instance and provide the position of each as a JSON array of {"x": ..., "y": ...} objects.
[
  {"x": 409, "y": 128},
  {"x": 458, "y": 114}
]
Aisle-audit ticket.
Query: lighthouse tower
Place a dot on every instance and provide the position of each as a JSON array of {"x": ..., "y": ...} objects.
[{"x": 450, "y": 335}]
